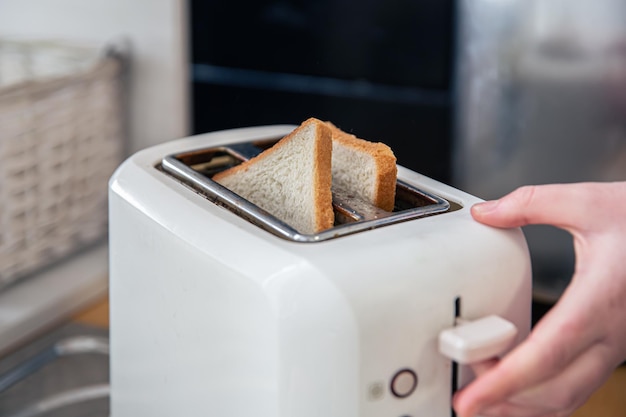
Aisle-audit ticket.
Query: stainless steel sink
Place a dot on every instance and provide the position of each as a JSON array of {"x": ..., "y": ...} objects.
[{"x": 63, "y": 373}]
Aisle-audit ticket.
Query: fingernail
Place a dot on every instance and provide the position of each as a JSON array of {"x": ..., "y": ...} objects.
[{"x": 485, "y": 207}]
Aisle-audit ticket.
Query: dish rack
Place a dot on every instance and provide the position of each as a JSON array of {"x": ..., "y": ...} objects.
[{"x": 61, "y": 138}]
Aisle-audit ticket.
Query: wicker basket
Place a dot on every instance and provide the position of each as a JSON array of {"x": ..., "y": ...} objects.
[{"x": 61, "y": 138}]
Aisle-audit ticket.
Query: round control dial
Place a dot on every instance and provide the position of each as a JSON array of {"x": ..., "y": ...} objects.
[{"x": 404, "y": 383}]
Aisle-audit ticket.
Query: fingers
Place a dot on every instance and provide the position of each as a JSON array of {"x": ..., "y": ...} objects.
[
  {"x": 495, "y": 386},
  {"x": 482, "y": 367},
  {"x": 557, "y": 396},
  {"x": 513, "y": 410},
  {"x": 560, "y": 353},
  {"x": 575, "y": 346},
  {"x": 556, "y": 342},
  {"x": 570, "y": 388},
  {"x": 558, "y": 205},
  {"x": 508, "y": 409}
]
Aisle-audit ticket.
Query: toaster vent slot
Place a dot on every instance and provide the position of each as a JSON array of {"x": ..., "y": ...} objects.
[{"x": 195, "y": 169}]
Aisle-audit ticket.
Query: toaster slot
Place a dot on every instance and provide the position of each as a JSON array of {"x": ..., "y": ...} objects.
[{"x": 195, "y": 169}]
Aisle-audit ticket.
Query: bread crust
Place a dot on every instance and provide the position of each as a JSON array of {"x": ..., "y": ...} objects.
[
  {"x": 385, "y": 161},
  {"x": 325, "y": 133},
  {"x": 324, "y": 214}
]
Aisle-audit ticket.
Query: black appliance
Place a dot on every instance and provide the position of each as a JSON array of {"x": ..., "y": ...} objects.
[{"x": 381, "y": 69}]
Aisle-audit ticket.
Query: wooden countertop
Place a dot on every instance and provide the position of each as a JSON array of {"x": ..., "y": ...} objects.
[{"x": 608, "y": 401}]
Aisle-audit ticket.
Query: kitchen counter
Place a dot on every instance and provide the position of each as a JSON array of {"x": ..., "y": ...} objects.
[{"x": 608, "y": 401}]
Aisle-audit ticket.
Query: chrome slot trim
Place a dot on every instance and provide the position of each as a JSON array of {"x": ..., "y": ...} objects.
[{"x": 358, "y": 215}]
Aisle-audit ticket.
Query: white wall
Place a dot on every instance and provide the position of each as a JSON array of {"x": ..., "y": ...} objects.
[{"x": 157, "y": 31}]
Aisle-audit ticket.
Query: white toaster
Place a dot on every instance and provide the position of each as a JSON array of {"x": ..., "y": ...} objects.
[{"x": 219, "y": 309}]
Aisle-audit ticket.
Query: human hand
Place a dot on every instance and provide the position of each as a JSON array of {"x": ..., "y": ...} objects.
[{"x": 582, "y": 339}]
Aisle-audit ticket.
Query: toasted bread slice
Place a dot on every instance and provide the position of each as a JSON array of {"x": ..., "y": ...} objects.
[
  {"x": 365, "y": 168},
  {"x": 291, "y": 180}
]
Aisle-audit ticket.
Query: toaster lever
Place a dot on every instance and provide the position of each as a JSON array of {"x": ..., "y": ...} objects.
[{"x": 477, "y": 340}]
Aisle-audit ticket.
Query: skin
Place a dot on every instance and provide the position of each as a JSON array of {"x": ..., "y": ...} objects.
[{"x": 580, "y": 342}]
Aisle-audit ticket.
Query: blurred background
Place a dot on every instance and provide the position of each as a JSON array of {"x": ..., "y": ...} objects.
[{"x": 485, "y": 95}]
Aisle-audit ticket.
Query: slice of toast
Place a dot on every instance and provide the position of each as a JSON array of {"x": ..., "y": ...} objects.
[
  {"x": 291, "y": 180},
  {"x": 367, "y": 169}
]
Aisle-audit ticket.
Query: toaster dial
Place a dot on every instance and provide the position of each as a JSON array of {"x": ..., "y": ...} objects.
[{"x": 403, "y": 383}]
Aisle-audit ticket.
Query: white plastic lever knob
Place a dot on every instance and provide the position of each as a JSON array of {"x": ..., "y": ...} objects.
[{"x": 478, "y": 340}]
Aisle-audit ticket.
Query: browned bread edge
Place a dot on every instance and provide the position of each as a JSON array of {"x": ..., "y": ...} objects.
[
  {"x": 387, "y": 170},
  {"x": 324, "y": 215}
]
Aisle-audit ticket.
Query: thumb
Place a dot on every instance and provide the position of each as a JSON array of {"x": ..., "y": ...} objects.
[{"x": 555, "y": 204}]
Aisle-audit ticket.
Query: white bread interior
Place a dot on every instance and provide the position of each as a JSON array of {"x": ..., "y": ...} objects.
[
  {"x": 367, "y": 169},
  {"x": 291, "y": 180}
]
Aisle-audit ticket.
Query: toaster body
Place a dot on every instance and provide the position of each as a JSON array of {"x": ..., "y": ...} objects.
[{"x": 212, "y": 315}]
